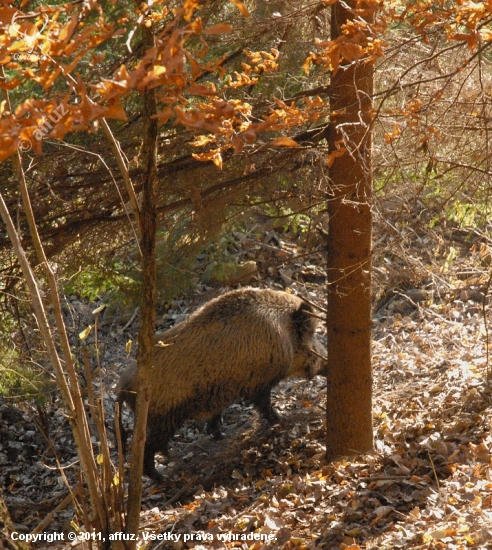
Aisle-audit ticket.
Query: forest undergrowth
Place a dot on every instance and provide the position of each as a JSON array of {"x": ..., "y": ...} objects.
[{"x": 428, "y": 483}]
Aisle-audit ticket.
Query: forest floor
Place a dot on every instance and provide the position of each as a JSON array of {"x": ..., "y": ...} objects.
[{"x": 428, "y": 483}]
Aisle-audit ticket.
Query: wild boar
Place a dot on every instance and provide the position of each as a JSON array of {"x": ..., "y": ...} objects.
[{"x": 237, "y": 346}]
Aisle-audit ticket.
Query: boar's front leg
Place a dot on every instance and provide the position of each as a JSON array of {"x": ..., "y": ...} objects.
[
  {"x": 158, "y": 436},
  {"x": 213, "y": 427},
  {"x": 149, "y": 463},
  {"x": 263, "y": 402}
]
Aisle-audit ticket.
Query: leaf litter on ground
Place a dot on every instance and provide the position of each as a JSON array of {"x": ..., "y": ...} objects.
[{"x": 428, "y": 483}]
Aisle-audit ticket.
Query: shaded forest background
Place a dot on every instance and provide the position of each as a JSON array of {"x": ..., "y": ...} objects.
[{"x": 224, "y": 178}]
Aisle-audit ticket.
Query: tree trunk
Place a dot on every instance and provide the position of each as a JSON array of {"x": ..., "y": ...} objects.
[
  {"x": 349, "y": 418},
  {"x": 145, "y": 353}
]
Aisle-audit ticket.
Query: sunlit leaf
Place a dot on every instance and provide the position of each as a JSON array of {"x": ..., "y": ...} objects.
[
  {"x": 85, "y": 333},
  {"x": 67, "y": 31},
  {"x": 99, "y": 309},
  {"x": 161, "y": 344},
  {"x": 439, "y": 534},
  {"x": 306, "y": 66},
  {"x": 189, "y": 8},
  {"x": 200, "y": 141},
  {"x": 449, "y": 259},
  {"x": 217, "y": 160}
]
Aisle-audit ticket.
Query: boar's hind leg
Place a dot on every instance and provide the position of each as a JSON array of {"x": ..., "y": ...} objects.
[{"x": 263, "y": 402}]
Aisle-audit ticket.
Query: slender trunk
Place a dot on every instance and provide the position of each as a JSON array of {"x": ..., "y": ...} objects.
[
  {"x": 145, "y": 354},
  {"x": 349, "y": 418}
]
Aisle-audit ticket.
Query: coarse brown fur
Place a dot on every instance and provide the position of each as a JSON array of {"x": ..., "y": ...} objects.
[{"x": 237, "y": 346}]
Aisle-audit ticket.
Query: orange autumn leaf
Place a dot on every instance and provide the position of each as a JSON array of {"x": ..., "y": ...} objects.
[
  {"x": 189, "y": 8},
  {"x": 335, "y": 57},
  {"x": 154, "y": 74},
  {"x": 19, "y": 46},
  {"x": 249, "y": 135},
  {"x": 7, "y": 15},
  {"x": 389, "y": 137},
  {"x": 238, "y": 145},
  {"x": 214, "y": 156},
  {"x": 200, "y": 141},
  {"x": 217, "y": 160},
  {"x": 200, "y": 90},
  {"x": 284, "y": 142},
  {"x": 219, "y": 29},
  {"x": 241, "y": 7},
  {"x": 115, "y": 111},
  {"x": 196, "y": 70},
  {"x": 11, "y": 84},
  {"x": 335, "y": 154},
  {"x": 351, "y": 52},
  {"x": 164, "y": 116},
  {"x": 470, "y": 39},
  {"x": 7, "y": 147},
  {"x": 306, "y": 66},
  {"x": 68, "y": 30}
]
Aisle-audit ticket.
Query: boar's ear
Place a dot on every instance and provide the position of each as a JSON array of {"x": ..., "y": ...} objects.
[{"x": 303, "y": 321}]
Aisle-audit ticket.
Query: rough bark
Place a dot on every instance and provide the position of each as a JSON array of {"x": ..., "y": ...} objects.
[{"x": 349, "y": 418}]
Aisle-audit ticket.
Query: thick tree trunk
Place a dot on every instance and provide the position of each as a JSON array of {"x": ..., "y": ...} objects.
[{"x": 349, "y": 418}]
